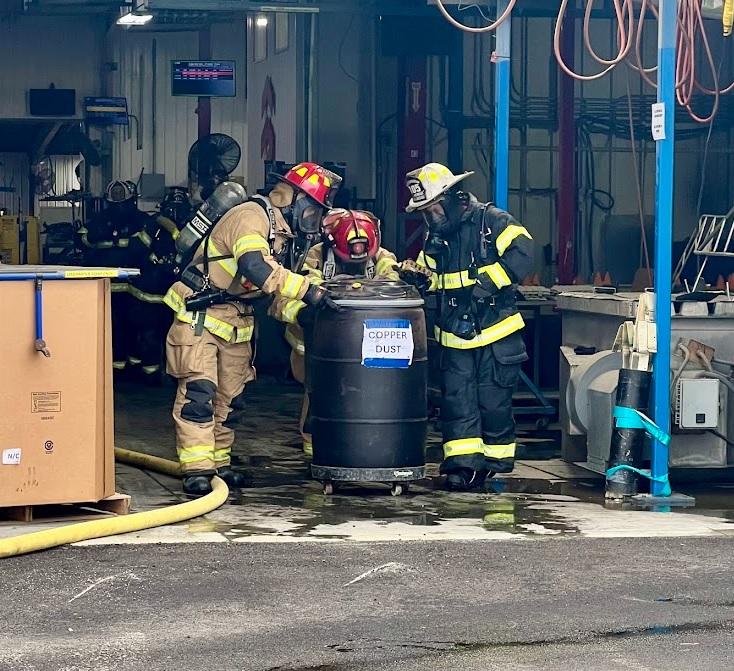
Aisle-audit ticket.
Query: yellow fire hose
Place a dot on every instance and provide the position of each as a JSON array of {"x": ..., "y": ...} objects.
[{"x": 73, "y": 533}]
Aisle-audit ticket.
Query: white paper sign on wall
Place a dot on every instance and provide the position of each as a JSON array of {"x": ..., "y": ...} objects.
[{"x": 11, "y": 457}]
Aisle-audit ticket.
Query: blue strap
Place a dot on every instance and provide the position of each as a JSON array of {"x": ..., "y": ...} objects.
[
  {"x": 629, "y": 418},
  {"x": 663, "y": 479}
]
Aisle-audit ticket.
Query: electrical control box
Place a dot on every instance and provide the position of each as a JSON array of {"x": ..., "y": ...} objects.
[{"x": 698, "y": 404}]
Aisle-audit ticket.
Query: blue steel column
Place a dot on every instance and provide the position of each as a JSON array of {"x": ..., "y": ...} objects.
[
  {"x": 664, "y": 234},
  {"x": 502, "y": 110}
]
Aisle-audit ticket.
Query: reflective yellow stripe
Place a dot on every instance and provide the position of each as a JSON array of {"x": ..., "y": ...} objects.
[
  {"x": 498, "y": 275},
  {"x": 454, "y": 280},
  {"x": 308, "y": 448},
  {"x": 289, "y": 313},
  {"x": 119, "y": 365},
  {"x": 500, "y": 451},
  {"x": 292, "y": 285},
  {"x": 489, "y": 335},
  {"x": 250, "y": 243},
  {"x": 144, "y": 238},
  {"x": 149, "y": 370},
  {"x": 315, "y": 275},
  {"x": 295, "y": 341},
  {"x": 504, "y": 239},
  {"x": 168, "y": 225},
  {"x": 134, "y": 361},
  {"x": 119, "y": 287},
  {"x": 463, "y": 446},
  {"x": 190, "y": 455},
  {"x": 222, "y": 455},
  {"x": 426, "y": 261},
  {"x": 229, "y": 265},
  {"x": 215, "y": 326}
]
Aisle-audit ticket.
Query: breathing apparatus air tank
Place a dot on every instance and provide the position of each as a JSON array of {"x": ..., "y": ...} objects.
[{"x": 226, "y": 196}]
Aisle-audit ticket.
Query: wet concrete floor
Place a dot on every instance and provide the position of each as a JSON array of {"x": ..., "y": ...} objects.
[{"x": 543, "y": 497}]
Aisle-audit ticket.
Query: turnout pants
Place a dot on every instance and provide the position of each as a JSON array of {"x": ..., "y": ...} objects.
[
  {"x": 212, "y": 375},
  {"x": 476, "y": 411},
  {"x": 298, "y": 368}
]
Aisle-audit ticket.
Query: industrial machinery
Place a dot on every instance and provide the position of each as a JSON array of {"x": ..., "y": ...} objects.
[{"x": 702, "y": 381}]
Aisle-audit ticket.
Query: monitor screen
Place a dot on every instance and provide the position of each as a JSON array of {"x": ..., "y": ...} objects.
[
  {"x": 202, "y": 78},
  {"x": 105, "y": 111},
  {"x": 52, "y": 102}
]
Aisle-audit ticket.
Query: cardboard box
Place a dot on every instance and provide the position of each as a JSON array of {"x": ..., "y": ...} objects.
[
  {"x": 9, "y": 240},
  {"x": 56, "y": 433},
  {"x": 20, "y": 240}
]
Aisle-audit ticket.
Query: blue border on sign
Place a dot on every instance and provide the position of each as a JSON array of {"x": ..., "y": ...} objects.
[
  {"x": 387, "y": 323},
  {"x": 386, "y": 363}
]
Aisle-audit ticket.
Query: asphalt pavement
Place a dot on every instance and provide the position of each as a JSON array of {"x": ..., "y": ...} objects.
[{"x": 555, "y": 603}]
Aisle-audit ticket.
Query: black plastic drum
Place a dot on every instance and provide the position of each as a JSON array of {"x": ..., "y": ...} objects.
[{"x": 367, "y": 369}]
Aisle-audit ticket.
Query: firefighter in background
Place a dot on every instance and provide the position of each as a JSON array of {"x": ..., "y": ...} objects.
[
  {"x": 105, "y": 242},
  {"x": 237, "y": 257},
  {"x": 473, "y": 257},
  {"x": 351, "y": 248},
  {"x": 153, "y": 251}
]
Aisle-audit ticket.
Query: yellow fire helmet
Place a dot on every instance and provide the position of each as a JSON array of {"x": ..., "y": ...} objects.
[{"x": 429, "y": 183}]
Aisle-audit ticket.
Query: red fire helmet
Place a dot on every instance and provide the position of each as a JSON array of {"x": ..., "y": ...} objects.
[
  {"x": 354, "y": 234},
  {"x": 315, "y": 181}
]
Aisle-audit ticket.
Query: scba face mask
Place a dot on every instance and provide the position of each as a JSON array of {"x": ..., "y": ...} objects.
[{"x": 305, "y": 214}]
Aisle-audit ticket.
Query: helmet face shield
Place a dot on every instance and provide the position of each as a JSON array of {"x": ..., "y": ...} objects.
[{"x": 307, "y": 214}]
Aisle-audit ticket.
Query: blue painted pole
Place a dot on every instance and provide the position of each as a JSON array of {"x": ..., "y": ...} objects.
[
  {"x": 665, "y": 182},
  {"x": 502, "y": 110}
]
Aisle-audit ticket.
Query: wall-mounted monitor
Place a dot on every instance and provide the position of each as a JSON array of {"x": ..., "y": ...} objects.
[
  {"x": 203, "y": 78},
  {"x": 103, "y": 111},
  {"x": 52, "y": 102}
]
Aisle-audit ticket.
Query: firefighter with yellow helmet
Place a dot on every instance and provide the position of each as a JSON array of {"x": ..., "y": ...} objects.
[
  {"x": 474, "y": 255},
  {"x": 231, "y": 250},
  {"x": 350, "y": 247}
]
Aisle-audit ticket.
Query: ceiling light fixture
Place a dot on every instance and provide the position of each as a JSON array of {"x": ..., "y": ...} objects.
[{"x": 128, "y": 18}]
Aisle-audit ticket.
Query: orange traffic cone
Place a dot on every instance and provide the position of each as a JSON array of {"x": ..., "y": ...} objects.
[
  {"x": 536, "y": 280},
  {"x": 597, "y": 279},
  {"x": 731, "y": 282},
  {"x": 720, "y": 283},
  {"x": 608, "y": 280}
]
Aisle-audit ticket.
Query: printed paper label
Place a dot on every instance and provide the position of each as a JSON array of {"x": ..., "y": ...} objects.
[
  {"x": 11, "y": 457},
  {"x": 387, "y": 343},
  {"x": 46, "y": 401},
  {"x": 658, "y": 121}
]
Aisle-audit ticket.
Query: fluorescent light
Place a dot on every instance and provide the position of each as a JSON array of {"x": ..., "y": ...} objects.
[
  {"x": 286, "y": 9},
  {"x": 132, "y": 19},
  {"x": 261, "y": 21}
]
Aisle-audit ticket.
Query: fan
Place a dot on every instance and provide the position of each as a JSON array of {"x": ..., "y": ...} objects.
[
  {"x": 43, "y": 176},
  {"x": 215, "y": 155}
]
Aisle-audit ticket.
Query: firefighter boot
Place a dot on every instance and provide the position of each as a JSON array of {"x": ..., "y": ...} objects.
[
  {"x": 465, "y": 479},
  {"x": 196, "y": 485},
  {"x": 234, "y": 479}
]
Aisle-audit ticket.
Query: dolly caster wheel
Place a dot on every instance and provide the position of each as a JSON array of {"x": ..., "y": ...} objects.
[
  {"x": 398, "y": 489},
  {"x": 328, "y": 488}
]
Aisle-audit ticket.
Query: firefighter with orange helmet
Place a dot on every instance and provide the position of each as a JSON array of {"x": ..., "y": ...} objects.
[
  {"x": 350, "y": 247},
  {"x": 231, "y": 251}
]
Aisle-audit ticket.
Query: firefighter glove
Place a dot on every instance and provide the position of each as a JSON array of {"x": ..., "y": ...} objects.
[
  {"x": 411, "y": 273},
  {"x": 319, "y": 298}
]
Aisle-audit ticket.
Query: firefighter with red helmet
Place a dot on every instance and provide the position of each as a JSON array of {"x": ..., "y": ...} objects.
[
  {"x": 350, "y": 247},
  {"x": 232, "y": 250}
]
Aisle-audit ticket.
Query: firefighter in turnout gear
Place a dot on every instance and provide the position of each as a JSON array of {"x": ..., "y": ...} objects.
[
  {"x": 473, "y": 257},
  {"x": 351, "y": 248},
  {"x": 153, "y": 251},
  {"x": 237, "y": 258},
  {"x": 106, "y": 242}
]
